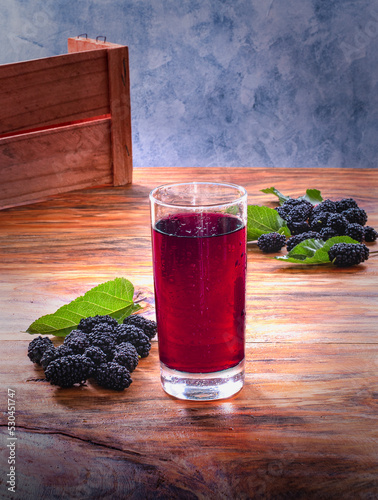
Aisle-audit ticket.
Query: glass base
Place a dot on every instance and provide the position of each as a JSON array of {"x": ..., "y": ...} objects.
[{"x": 203, "y": 386}]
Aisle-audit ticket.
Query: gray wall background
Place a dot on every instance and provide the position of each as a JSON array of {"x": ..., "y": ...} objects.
[{"x": 265, "y": 83}]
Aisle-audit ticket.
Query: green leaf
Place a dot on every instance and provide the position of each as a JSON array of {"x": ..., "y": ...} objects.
[
  {"x": 308, "y": 252},
  {"x": 272, "y": 190},
  {"x": 313, "y": 196},
  {"x": 313, "y": 252},
  {"x": 114, "y": 298},
  {"x": 262, "y": 220}
]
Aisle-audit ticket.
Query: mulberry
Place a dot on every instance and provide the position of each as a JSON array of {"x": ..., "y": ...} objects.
[
  {"x": 148, "y": 326},
  {"x": 271, "y": 242},
  {"x": 325, "y": 206},
  {"x": 337, "y": 222},
  {"x": 345, "y": 203},
  {"x": 319, "y": 220},
  {"x": 348, "y": 254},
  {"x": 355, "y": 215},
  {"x": 370, "y": 234},
  {"x": 77, "y": 340},
  {"x": 96, "y": 355},
  {"x": 355, "y": 231},
  {"x": 297, "y": 210},
  {"x": 104, "y": 339},
  {"x": 86, "y": 325},
  {"x": 54, "y": 353},
  {"x": 136, "y": 337},
  {"x": 126, "y": 355},
  {"x": 37, "y": 348},
  {"x": 326, "y": 233},
  {"x": 286, "y": 207},
  {"x": 68, "y": 370},
  {"x": 297, "y": 227},
  {"x": 301, "y": 212},
  {"x": 113, "y": 376},
  {"x": 295, "y": 240}
]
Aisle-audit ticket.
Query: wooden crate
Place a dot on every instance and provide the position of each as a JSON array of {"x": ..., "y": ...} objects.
[{"x": 65, "y": 122}]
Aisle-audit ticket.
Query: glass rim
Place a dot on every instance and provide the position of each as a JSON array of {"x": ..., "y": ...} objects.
[{"x": 242, "y": 194}]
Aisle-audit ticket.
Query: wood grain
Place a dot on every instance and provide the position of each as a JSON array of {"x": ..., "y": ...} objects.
[
  {"x": 303, "y": 427},
  {"x": 53, "y": 90},
  {"x": 55, "y": 160}
]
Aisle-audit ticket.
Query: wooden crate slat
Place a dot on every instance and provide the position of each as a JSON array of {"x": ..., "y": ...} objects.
[
  {"x": 36, "y": 165},
  {"x": 53, "y": 90},
  {"x": 119, "y": 90}
]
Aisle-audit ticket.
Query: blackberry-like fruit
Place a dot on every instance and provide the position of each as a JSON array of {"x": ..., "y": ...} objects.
[
  {"x": 282, "y": 212},
  {"x": 103, "y": 338},
  {"x": 148, "y": 326},
  {"x": 337, "y": 222},
  {"x": 295, "y": 240},
  {"x": 271, "y": 242},
  {"x": 96, "y": 355},
  {"x": 297, "y": 227},
  {"x": 77, "y": 340},
  {"x": 68, "y": 370},
  {"x": 345, "y": 203},
  {"x": 325, "y": 206},
  {"x": 327, "y": 232},
  {"x": 51, "y": 354},
  {"x": 113, "y": 376},
  {"x": 355, "y": 215},
  {"x": 136, "y": 337},
  {"x": 355, "y": 231},
  {"x": 287, "y": 206},
  {"x": 86, "y": 325},
  {"x": 298, "y": 210},
  {"x": 348, "y": 254},
  {"x": 126, "y": 355},
  {"x": 319, "y": 220},
  {"x": 37, "y": 348},
  {"x": 301, "y": 212},
  {"x": 370, "y": 234}
]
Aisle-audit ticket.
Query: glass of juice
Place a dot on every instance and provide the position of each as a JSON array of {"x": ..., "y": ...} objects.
[{"x": 199, "y": 262}]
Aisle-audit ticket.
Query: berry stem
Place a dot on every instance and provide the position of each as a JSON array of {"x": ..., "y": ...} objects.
[{"x": 139, "y": 300}]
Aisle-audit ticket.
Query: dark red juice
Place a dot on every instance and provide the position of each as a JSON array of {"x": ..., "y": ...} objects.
[{"x": 199, "y": 270}]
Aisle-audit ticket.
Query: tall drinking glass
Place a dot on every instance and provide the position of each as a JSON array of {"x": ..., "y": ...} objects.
[{"x": 199, "y": 261}]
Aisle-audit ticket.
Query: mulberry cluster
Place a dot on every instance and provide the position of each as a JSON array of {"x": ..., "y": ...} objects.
[
  {"x": 322, "y": 221},
  {"x": 135, "y": 336},
  {"x": 38, "y": 347},
  {"x": 100, "y": 348},
  {"x": 339, "y": 218},
  {"x": 271, "y": 242},
  {"x": 52, "y": 353},
  {"x": 86, "y": 325},
  {"x": 149, "y": 327},
  {"x": 296, "y": 213},
  {"x": 126, "y": 355}
]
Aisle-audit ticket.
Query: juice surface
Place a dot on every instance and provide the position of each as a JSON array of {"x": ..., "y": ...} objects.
[{"x": 199, "y": 269}]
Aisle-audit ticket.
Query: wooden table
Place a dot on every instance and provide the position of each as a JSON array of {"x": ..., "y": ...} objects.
[{"x": 303, "y": 427}]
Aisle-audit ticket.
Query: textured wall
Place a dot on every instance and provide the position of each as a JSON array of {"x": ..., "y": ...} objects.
[{"x": 228, "y": 82}]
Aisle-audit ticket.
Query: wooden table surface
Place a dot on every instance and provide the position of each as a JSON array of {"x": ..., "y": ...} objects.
[{"x": 305, "y": 424}]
